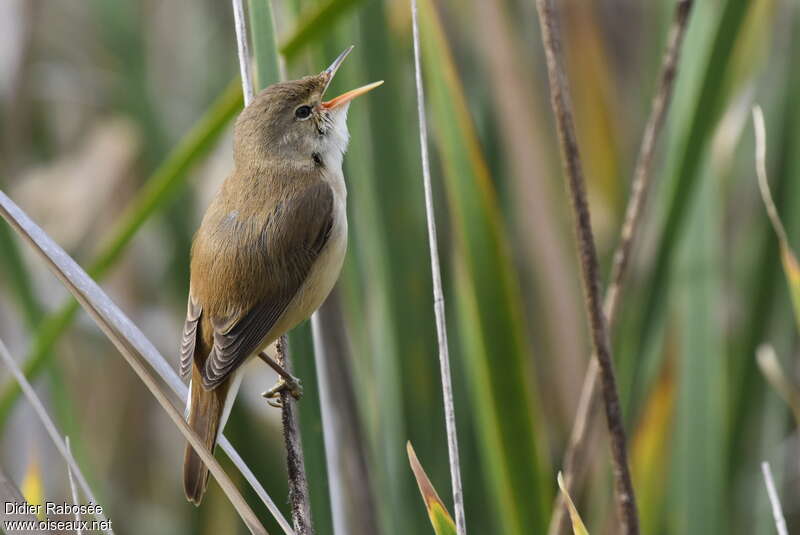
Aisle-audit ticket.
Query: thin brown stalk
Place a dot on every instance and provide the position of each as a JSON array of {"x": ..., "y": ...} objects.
[
  {"x": 642, "y": 173},
  {"x": 299, "y": 499},
  {"x": 575, "y": 456},
  {"x": 590, "y": 269},
  {"x": 438, "y": 292}
]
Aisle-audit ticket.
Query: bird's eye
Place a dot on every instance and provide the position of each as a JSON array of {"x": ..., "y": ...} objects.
[{"x": 303, "y": 112}]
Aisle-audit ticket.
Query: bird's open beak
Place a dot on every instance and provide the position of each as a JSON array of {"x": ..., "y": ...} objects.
[
  {"x": 350, "y": 95},
  {"x": 331, "y": 71}
]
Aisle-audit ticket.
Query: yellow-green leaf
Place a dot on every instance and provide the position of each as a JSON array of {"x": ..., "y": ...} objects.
[
  {"x": 440, "y": 519},
  {"x": 792, "y": 269},
  {"x": 577, "y": 524},
  {"x": 651, "y": 444},
  {"x": 32, "y": 487}
]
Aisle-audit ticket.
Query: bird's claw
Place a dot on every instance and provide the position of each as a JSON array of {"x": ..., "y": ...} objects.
[{"x": 292, "y": 386}]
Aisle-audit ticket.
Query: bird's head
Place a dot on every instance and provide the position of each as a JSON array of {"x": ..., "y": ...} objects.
[{"x": 291, "y": 121}]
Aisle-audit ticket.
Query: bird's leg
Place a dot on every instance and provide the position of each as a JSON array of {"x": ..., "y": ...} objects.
[{"x": 286, "y": 383}]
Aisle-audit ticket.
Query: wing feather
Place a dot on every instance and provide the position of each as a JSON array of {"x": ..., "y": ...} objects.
[
  {"x": 293, "y": 241},
  {"x": 189, "y": 336}
]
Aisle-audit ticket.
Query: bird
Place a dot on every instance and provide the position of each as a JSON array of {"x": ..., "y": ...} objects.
[{"x": 268, "y": 251}]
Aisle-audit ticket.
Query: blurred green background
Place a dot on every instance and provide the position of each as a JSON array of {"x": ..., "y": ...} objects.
[{"x": 116, "y": 131}]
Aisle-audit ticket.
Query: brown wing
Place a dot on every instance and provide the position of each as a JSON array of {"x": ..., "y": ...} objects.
[
  {"x": 189, "y": 337},
  {"x": 292, "y": 239}
]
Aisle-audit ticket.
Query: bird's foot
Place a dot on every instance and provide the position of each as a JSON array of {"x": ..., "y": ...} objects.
[{"x": 290, "y": 384}]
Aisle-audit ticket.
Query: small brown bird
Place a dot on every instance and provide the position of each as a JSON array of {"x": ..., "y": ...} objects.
[{"x": 269, "y": 249}]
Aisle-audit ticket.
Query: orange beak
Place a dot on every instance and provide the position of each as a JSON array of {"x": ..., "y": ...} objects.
[{"x": 350, "y": 95}]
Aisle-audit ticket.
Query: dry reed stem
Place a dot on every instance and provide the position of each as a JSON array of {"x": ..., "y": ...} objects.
[
  {"x": 257, "y": 487},
  {"x": 590, "y": 270},
  {"x": 438, "y": 293},
  {"x": 763, "y": 181},
  {"x": 243, "y": 48},
  {"x": 772, "y": 370},
  {"x": 50, "y": 427},
  {"x": 775, "y": 502},
  {"x": 128, "y": 339},
  {"x": 73, "y": 491},
  {"x": 767, "y": 359},
  {"x": 299, "y": 499},
  {"x": 575, "y": 456},
  {"x": 119, "y": 327}
]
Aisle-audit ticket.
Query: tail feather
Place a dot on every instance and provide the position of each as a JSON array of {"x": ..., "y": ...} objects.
[{"x": 205, "y": 411}]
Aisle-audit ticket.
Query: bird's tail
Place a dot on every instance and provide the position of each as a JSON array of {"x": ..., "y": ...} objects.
[{"x": 205, "y": 412}]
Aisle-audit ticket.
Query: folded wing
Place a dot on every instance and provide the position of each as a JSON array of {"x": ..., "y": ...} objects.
[{"x": 292, "y": 239}]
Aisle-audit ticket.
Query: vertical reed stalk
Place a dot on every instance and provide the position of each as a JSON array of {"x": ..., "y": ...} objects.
[
  {"x": 299, "y": 499},
  {"x": 438, "y": 293},
  {"x": 590, "y": 269},
  {"x": 243, "y": 48},
  {"x": 575, "y": 456}
]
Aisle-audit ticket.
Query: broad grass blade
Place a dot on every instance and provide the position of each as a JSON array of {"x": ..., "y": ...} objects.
[
  {"x": 314, "y": 23},
  {"x": 699, "y": 465},
  {"x": 491, "y": 325},
  {"x": 700, "y": 97}
]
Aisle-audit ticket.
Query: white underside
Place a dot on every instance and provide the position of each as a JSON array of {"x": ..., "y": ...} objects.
[{"x": 233, "y": 390}]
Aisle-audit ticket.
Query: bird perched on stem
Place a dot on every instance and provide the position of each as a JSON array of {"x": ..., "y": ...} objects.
[{"x": 269, "y": 249}]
